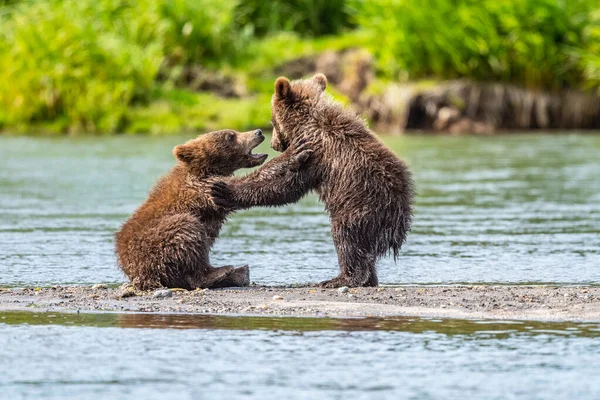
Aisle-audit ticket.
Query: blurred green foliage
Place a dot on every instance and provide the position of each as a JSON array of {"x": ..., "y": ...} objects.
[
  {"x": 114, "y": 65},
  {"x": 305, "y": 17},
  {"x": 535, "y": 43},
  {"x": 73, "y": 61},
  {"x": 81, "y": 64}
]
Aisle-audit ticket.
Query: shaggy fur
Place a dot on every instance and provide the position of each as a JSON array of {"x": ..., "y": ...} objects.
[
  {"x": 366, "y": 189},
  {"x": 166, "y": 242}
]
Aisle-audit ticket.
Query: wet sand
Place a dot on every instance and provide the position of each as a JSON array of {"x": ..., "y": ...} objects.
[{"x": 545, "y": 303}]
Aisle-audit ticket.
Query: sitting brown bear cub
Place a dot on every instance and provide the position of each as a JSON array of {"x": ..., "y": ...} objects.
[
  {"x": 166, "y": 242},
  {"x": 367, "y": 190}
]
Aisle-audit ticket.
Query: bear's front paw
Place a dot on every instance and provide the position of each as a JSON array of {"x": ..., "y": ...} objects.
[
  {"x": 221, "y": 195},
  {"x": 302, "y": 153}
]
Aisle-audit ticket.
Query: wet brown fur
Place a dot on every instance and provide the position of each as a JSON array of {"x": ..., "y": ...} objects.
[
  {"x": 366, "y": 189},
  {"x": 166, "y": 242}
]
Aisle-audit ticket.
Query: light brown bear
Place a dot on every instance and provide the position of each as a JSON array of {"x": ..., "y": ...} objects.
[
  {"x": 366, "y": 189},
  {"x": 166, "y": 242}
]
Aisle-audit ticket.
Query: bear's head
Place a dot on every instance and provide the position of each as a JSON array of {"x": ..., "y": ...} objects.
[
  {"x": 293, "y": 105},
  {"x": 221, "y": 152}
]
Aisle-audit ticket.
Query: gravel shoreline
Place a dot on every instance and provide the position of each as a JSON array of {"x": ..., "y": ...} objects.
[{"x": 544, "y": 303}]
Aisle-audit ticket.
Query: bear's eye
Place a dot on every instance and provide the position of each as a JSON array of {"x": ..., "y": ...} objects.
[{"x": 231, "y": 137}]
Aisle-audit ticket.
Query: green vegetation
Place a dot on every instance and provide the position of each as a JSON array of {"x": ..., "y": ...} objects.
[
  {"x": 535, "y": 43},
  {"x": 108, "y": 66},
  {"x": 305, "y": 17},
  {"x": 83, "y": 65}
]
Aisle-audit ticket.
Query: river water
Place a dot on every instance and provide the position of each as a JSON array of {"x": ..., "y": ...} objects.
[
  {"x": 124, "y": 356},
  {"x": 503, "y": 209}
]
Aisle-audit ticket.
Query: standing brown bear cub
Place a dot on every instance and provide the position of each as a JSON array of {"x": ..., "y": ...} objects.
[
  {"x": 166, "y": 242},
  {"x": 366, "y": 189}
]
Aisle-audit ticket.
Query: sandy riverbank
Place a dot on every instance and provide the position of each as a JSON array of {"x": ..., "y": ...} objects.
[{"x": 549, "y": 303}]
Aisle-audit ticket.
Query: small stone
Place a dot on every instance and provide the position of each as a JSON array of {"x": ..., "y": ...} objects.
[
  {"x": 277, "y": 297},
  {"x": 181, "y": 301},
  {"x": 99, "y": 286},
  {"x": 343, "y": 289},
  {"x": 351, "y": 295},
  {"x": 162, "y": 293}
]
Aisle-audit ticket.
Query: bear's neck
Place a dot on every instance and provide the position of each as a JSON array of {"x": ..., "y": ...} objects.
[{"x": 204, "y": 171}]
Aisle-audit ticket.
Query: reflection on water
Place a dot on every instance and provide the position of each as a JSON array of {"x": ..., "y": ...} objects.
[
  {"x": 57, "y": 356},
  {"x": 496, "y": 209},
  {"x": 300, "y": 324}
]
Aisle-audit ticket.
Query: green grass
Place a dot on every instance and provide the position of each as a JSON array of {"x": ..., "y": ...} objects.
[
  {"x": 82, "y": 65},
  {"x": 546, "y": 44},
  {"x": 304, "y": 17}
]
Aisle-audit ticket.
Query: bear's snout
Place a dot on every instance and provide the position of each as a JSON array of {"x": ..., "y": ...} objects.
[{"x": 258, "y": 133}]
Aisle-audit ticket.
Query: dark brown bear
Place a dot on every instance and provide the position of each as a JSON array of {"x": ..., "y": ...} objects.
[
  {"x": 166, "y": 242},
  {"x": 367, "y": 190}
]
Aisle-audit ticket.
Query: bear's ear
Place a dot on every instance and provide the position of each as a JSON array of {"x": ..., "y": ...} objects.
[
  {"x": 184, "y": 153},
  {"x": 282, "y": 87},
  {"x": 321, "y": 81}
]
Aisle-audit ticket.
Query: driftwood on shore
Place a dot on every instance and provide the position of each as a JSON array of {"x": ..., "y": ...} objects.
[{"x": 457, "y": 106}]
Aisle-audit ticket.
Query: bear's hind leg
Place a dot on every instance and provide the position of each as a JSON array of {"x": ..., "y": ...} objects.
[
  {"x": 239, "y": 277},
  {"x": 357, "y": 262},
  {"x": 372, "y": 281},
  {"x": 211, "y": 276},
  {"x": 356, "y": 278}
]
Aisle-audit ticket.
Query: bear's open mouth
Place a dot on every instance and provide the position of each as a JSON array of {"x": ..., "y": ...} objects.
[{"x": 257, "y": 156}]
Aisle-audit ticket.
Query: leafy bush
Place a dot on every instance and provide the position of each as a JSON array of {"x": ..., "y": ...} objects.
[
  {"x": 202, "y": 32},
  {"x": 590, "y": 54},
  {"x": 537, "y": 43},
  {"x": 59, "y": 62},
  {"x": 305, "y": 17},
  {"x": 83, "y": 63}
]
